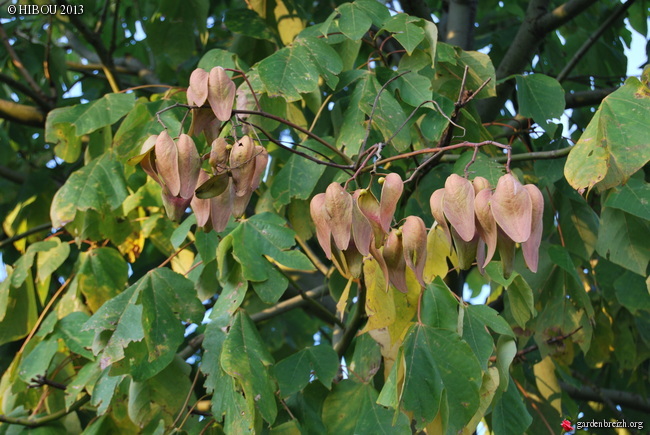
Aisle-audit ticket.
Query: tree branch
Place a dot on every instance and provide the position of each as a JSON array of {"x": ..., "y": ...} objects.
[
  {"x": 22, "y": 88},
  {"x": 276, "y": 310},
  {"x": 460, "y": 23},
  {"x": 417, "y": 8},
  {"x": 11, "y": 175},
  {"x": 22, "y": 114},
  {"x": 562, "y": 14},
  {"x": 40, "y": 421},
  {"x": 622, "y": 398},
  {"x": 614, "y": 16},
  {"x": 586, "y": 98},
  {"x": 29, "y": 232}
]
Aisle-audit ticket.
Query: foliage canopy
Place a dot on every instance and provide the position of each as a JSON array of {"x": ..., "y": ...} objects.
[{"x": 314, "y": 276}]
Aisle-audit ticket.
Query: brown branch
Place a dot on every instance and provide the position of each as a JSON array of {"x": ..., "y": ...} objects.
[
  {"x": 269, "y": 313},
  {"x": 11, "y": 175},
  {"x": 623, "y": 398},
  {"x": 22, "y": 113},
  {"x": 614, "y": 16},
  {"x": 586, "y": 98},
  {"x": 40, "y": 421}
]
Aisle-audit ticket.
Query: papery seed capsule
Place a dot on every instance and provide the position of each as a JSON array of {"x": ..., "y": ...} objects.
[
  {"x": 221, "y": 210},
  {"x": 361, "y": 228},
  {"x": 530, "y": 247},
  {"x": 394, "y": 257},
  {"x": 219, "y": 155},
  {"x": 338, "y": 204},
  {"x": 175, "y": 206},
  {"x": 369, "y": 206},
  {"x": 197, "y": 92},
  {"x": 261, "y": 160},
  {"x": 480, "y": 183},
  {"x": 436, "y": 201},
  {"x": 458, "y": 205},
  {"x": 189, "y": 164},
  {"x": 512, "y": 208},
  {"x": 321, "y": 222},
  {"x": 213, "y": 186},
  {"x": 242, "y": 165},
  {"x": 414, "y": 242},
  {"x": 221, "y": 93},
  {"x": 201, "y": 207},
  {"x": 167, "y": 163},
  {"x": 487, "y": 226},
  {"x": 391, "y": 191}
]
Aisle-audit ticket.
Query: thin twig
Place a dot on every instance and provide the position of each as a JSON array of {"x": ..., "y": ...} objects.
[{"x": 40, "y": 421}]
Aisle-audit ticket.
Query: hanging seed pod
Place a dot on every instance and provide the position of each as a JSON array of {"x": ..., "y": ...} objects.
[
  {"x": 414, "y": 242},
  {"x": 175, "y": 206},
  {"x": 261, "y": 161},
  {"x": 512, "y": 208},
  {"x": 167, "y": 163},
  {"x": 361, "y": 228},
  {"x": 487, "y": 226},
  {"x": 219, "y": 151},
  {"x": 221, "y": 93},
  {"x": 197, "y": 92},
  {"x": 369, "y": 206},
  {"x": 189, "y": 164},
  {"x": 438, "y": 213},
  {"x": 530, "y": 247},
  {"x": 242, "y": 165},
  {"x": 394, "y": 257},
  {"x": 338, "y": 204},
  {"x": 201, "y": 207},
  {"x": 480, "y": 183},
  {"x": 220, "y": 210},
  {"x": 213, "y": 186},
  {"x": 458, "y": 204},
  {"x": 239, "y": 203},
  {"x": 321, "y": 222},
  {"x": 390, "y": 194}
]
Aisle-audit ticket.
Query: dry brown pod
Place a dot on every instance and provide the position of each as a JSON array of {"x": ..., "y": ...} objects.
[{"x": 338, "y": 204}]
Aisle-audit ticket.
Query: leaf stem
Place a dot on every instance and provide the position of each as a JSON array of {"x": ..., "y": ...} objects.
[{"x": 36, "y": 422}]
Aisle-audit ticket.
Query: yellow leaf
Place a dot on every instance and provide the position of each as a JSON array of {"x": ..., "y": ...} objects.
[
  {"x": 380, "y": 305},
  {"x": 406, "y": 305},
  {"x": 343, "y": 301},
  {"x": 438, "y": 250},
  {"x": 289, "y": 25},
  {"x": 183, "y": 261}
]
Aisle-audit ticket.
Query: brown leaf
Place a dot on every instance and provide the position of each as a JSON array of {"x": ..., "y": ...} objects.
[
  {"x": 197, "y": 92},
  {"x": 320, "y": 218},
  {"x": 167, "y": 163},
  {"x": 361, "y": 228},
  {"x": 458, "y": 204},
  {"x": 390, "y": 194},
  {"x": 512, "y": 208},
  {"x": 201, "y": 207},
  {"x": 394, "y": 257},
  {"x": 221, "y": 93},
  {"x": 189, "y": 164},
  {"x": 530, "y": 247},
  {"x": 486, "y": 225},
  {"x": 438, "y": 213},
  {"x": 338, "y": 204},
  {"x": 414, "y": 241},
  {"x": 242, "y": 165}
]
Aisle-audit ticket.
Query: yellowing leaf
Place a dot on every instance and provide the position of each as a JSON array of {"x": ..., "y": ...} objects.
[
  {"x": 438, "y": 251},
  {"x": 380, "y": 305}
]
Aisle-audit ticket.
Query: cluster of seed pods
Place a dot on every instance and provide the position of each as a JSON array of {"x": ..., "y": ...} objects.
[
  {"x": 351, "y": 226},
  {"x": 235, "y": 170},
  {"x": 480, "y": 220}
]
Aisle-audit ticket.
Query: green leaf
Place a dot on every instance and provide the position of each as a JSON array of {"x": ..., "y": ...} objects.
[
  {"x": 89, "y": 117},
  {"x": 578, "y": 221},
  {"x": 161, "y": 396},
  {"x": 633, "y": 198},
  {"x": 327, "y": 60},
  {"x": 405, "y": 31},
  {"x": 268, "y": 235},
  {"x": 289, "y": 72},
  {"x": 483, "y": 166},
  {"x": 542, "y": 98},
  {"x": 359, "y": 400},
  {"x": 632, "y": 292},
  {"x": 247, "y": 22},
  {"x": 102, "y": 275},
  {"x": 438, "y": 359},
  {"x": 180, "y": 233},
  {"x": 509, "y": 414},
  {"x": 18, "y": 313},
  {"x": 439, "y": 306},
  {"x": 520, "y": 300},
  {"x": 506, "y": 352},
  {"x": 353, "y": 22},
  {"x": 294, "y": 373},
  {"x": 245, "y": 358},
  {"x": 140, "y": 329},
  {"x": 37, "y": 362},
  {"x": 86, "y": 376},
  {"x": 478, "y": 338},
  {"x": 99, "y": 185},
  {"x": 623, "y": 239},
  {"x": 413, "y": 89},
  {"x": 490, "y": 318},
  {"x": 50, "y": 260},
  {"x": 375, "y": 10},
  {"x": 614, "y": 145},
  {"x": 24, "y": 264},
  {"x": 297, "y": 179},
  {"x": 70, "y": 329}
]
